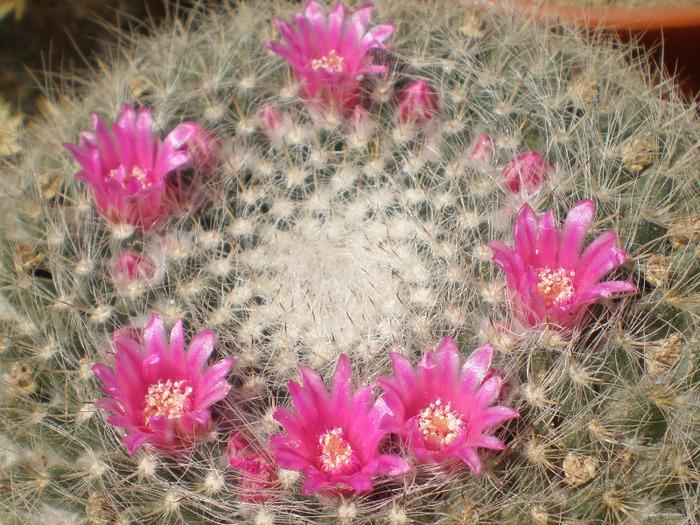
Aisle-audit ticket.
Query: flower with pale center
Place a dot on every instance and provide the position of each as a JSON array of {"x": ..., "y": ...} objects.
[
  {"x": 440, "y": 425},
  {"x": 336, "y": 453},
  {"x": 329, "y": 55},
  {"x": 333, "y": 437},
  {"x": 161, "y": 395},
  {"x": 551, "y": 277},
  {"x": 128, "y": 167},
  {"x": 444, "y": 411}
]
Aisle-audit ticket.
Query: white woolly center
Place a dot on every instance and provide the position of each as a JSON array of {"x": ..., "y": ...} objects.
[
  {"x": 331, "y": 62},
  {"x": 336, "y": 452},
  {"x": 169, "y": 399},
  {"x": 556, "y": 287},
  {"x": 440, "y": 425}
]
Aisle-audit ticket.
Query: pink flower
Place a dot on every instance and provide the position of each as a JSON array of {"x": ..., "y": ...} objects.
[
  {"x": 258, "y": 472},
  {"x": 526, "y": 171},
  {"x": 159, "y": 394},
  {"x": 444, "y": 410},
  {"x": 333, "y": 437},
  {"x": 127, "y": 166},
  {"x": 418, "y": 104},
  {"x": 329, "y": 56},
  {"x": 548, "y": 276}
]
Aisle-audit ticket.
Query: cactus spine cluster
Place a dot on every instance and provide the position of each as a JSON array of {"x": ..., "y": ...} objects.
[{"x": 332, "y": 238}]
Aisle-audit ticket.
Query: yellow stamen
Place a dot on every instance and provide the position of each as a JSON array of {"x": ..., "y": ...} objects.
[
  {"x": 332, "y": 61},
  {"x": 440, "y": 425},
  {"x": 556, "y": 287},
  {"x": 336, "y": 453},
  {"x": 168, "y": 399}
]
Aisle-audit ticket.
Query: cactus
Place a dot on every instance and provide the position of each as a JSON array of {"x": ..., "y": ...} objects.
[{"x": 361, "y": 234}]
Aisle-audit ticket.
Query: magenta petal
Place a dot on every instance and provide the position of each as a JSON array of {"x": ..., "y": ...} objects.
[
  {"x": 181, "y": 135},
  {"x": 448, "y": 357},
  {"x": 290, "y": 460},
  {"x": 490, "y": 442},
  {"x": 126, "y": 119},
  {"x": 133, "y": 442},
  {"x": 107, "y": 403},
  {"x": 494, "y": 416},
  {"x": 577, "y": 223},
  {"x": 488, "y": 393},
  {"x": 336, "y": 19},
  {"x": 598, "y": 259},
  {"x": 201, "y": 347},
  {"x": 392, "y": 465},
  {"x": 216, "y": 373},
  {"x": 341, "y": 388},
  {"x": 314, "y": 483},
  {"x": 381, "y": 32},
  {"x": 606, "y": 289},
  {"x": 145, "y": 144},
  {"x": 105, "y": 374},
  {"x": 314, "y": 385},
  {"x": 472, "y": 459},
  {"x": 154, "y": 336},
  {"x": 173, "y": 162},
  {"x": 176, "y": 353},
  {"x": 525, "y": 233},
  {"x": 360, "y": 482},
  {"x": 282, "y": 51},
  {"x": 474, "y": 371},
  {"x": 213, "y": 395},
  {"x": 547, "y": 245}
]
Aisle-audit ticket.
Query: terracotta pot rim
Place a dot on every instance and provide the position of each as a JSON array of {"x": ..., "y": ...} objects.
[{"x": 638, "y": 18}]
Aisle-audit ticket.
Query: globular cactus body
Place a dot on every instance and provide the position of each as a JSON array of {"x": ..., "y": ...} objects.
[{"x": 355, "y": 231}]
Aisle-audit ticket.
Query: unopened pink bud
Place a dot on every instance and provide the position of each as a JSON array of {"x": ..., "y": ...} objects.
[
  {"x": 526, "y": 171},
  {"x": 482, "y": 152},
  {"x": 273, "y": 124},
  {"x": 361, "y": 122},
  {"x": 418, "y": 104},
  {"x": 258, "y": 473},
  {"x": 204, "y": 148},
  {"x": 131, "y": 266}
]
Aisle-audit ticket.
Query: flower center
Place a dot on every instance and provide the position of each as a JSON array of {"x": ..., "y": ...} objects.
[
  {"x": 440, "y": 425},
  {"x": 332, "y": 61},
  {"x": 136, "y": 174},
  {"x": 336, "y": 452},
  {"x": 556, "y": 287},
  {"x": 168, "y": 399}
]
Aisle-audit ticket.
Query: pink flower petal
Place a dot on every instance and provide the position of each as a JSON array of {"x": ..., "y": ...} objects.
[
  {"x": 606, "y": 289},
  {"x": 201, "y": 347},
  {"x": 525, "y": 233},
  {"x": 490, "y": 442},
  {"x": 577, "y": 223}
]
